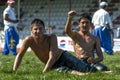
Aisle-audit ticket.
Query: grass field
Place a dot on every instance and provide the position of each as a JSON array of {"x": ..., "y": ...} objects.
[{"x": 31, "y": 69}]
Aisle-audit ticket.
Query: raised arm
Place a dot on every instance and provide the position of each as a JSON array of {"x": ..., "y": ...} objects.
[
  {"x": 68, "y": 29},
  {"x": 19, "y": 56}
]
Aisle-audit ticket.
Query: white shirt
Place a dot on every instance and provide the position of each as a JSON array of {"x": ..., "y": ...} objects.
[
  {"x": 10, "y": 11},
  {"x": 101, "y": 18}
]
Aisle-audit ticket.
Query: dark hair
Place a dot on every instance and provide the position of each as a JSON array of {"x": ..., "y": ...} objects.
[
  {"x": 38, "y": 21},
  {"x": 85, "y": 15}
]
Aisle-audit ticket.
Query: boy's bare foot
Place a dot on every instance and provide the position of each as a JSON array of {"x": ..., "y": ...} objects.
[
  {"x": 108, "y": 72},
  {"x": 78, "y": 73}
]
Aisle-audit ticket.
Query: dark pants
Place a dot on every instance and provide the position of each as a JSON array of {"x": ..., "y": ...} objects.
[
  {"x": 98, "y": 66},
  {"x": 68, "y": 62}
]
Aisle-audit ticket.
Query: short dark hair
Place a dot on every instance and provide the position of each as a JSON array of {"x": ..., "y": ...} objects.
[
  {"x": 38, "y": 21},
  {"x": 85, "y": 15}
]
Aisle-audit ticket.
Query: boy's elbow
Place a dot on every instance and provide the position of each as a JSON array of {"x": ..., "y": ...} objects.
[
  {"x": 14, "y": 69},
  {"x": 67, "y": 31}
]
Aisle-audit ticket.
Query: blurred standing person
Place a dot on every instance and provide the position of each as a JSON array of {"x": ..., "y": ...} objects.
[
  {"x": 103, "y": 28},
  {"x": 10, "y": 29}
]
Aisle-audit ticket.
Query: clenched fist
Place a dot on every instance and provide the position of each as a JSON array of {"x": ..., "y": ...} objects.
[{"x": 72, "y": 13}]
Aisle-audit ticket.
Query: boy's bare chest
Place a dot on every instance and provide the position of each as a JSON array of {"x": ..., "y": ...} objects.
[
  {"x": 40, "y": 46},
  {"x": 84, "y": 42}
]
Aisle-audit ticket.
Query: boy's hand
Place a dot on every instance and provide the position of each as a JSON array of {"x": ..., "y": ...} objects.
[
  {"x": 91, "y": 60},
  {"x": 72, "y": 13}
]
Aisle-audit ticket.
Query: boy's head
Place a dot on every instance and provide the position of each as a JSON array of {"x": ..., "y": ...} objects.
[
  {"x": 37, "y": 21},
  {"x": 37, "y": 27},
  {"x": 85, "y": 15},
  {"x": 84, "y": 22}
]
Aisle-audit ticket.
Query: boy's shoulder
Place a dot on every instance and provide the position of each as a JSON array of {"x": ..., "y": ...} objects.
[{"x": 29, "y": 38}]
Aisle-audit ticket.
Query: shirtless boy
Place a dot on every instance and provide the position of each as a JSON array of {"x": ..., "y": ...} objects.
[
  {"x": 84, "y": 42},
  {"x": 46, "y": 49}
]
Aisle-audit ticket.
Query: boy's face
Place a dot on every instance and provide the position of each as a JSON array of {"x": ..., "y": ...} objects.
[
  {"x": 37, "y": 30},
  {"x": 84, "y": 25}
]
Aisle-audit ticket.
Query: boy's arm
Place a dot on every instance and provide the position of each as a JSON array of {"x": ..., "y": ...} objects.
[
  {"x": 53, "y": 53},
  {"x": 68, "y": 29},
  {"x": 49, "y": 63},
  {"x": 98, "y": 51},
  {"x": 17, "y": 62},
  {"x": 20, "y": 55}
]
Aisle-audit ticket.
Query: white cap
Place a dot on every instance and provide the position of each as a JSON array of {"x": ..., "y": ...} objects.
[{"x": 103, "y": 4}]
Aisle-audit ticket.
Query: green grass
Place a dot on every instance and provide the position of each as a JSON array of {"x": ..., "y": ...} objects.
[{"x": 31, "y": 69}]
